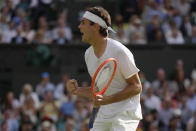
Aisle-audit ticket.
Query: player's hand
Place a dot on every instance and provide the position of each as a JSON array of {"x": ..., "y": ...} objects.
[
  {"x": 72, "y": 86},
  {"x": 101, "y": 100}
]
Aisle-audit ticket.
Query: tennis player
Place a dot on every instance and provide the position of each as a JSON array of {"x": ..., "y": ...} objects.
[{"x": 120, "y": 108}]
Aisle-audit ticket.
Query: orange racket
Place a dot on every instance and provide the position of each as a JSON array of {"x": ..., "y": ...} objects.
[
  {"x": 101, "y": 81},
  {"x": 103, "y": 76}
]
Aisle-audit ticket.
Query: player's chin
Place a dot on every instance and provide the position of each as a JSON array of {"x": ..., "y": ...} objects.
[{"x": 83, "y": 39}]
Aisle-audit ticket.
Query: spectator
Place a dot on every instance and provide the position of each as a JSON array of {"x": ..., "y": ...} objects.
[
  {"x": 11, "y": 104},
  {"x": 68, "y": 107},
  {"x": 120, "y": 28},
  {"x": 186, "y": 28},
  {"x": 61, "y": 87},
  {"x": 14, "y": 3},
  {"x": 183, "y": 7},
  {"x": 28, "y": 92},
  {"x": 49, "y": 107},
  {"x": 152, "y": 9},
  {"x": 20, "y": 18},
  {"x": 26, "y": 125},
  {"x": 174, "y": 124},
  {"x": 19, "y": 39},
  {"x": 7, "y": 13},
  {"x": 154, "y": 31},
  {"x": 137, "y": 33},
  {"x": 165, "y": 114},
  {"x": 29, "y": 109},
  {"x": 28, "y": 33},
  {"x": 191, "y": 99},
  {"x": 3, "y": 23},
  {"x": 80, "y": 113},
  {"x": 174, "y": 36},
  {"x": 45, "y": 85},
  {"x": 191, "y": 125},
  {"x": 186, "y": 112},
  {"x": 23, "y": 5},
  {"x": 47, "y": 124},
  {"x": 151, "y": 101},
  {"x": 12, "y": 123},
  {"x": 39, "y": 37},
  {"x": 159, "y": 81},
  {"x": 63, "y": 27},
  {"x": 4, "y": 126},
  {"x": 47, "y": 34},
  {"x": 61, "y": 40},
  {"x": 193, "y": 36},
  {"x": 9, "y": 33}
]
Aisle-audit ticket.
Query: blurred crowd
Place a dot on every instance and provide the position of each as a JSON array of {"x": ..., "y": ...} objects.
[
  {"x": 136, "y": 22},
  {"x": 45, "y": 107},
  {"x": 168, "y": 104}
]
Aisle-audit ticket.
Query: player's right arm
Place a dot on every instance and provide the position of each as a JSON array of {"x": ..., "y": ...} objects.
[{"x": 72, "y": 87}]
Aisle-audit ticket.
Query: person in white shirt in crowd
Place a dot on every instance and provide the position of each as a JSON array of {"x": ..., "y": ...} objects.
[
  {"x": 27, "y": 91},
  {"x": 151, "y": 101},
  {"x": 174, "y": 36},
  {"x": 62, "y": 25},
  {"x": 183, "y": 7},
  {"x": 44, "y": 86},
  {"x": 27, "y": 32},
  {"x": 8, "y": 34},
  {"x": 137, "y": 33}
]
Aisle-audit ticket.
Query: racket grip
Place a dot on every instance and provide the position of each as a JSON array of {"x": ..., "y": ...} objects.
[{"x": 92, "y": 117}]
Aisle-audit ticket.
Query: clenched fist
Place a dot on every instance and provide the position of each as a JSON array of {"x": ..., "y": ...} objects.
[{"x": 72, "y": 86}]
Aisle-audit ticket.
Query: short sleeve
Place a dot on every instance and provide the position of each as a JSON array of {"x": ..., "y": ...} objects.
[
  {"x": 126, "y": 63},
  {"x": 86, "y": 55}
]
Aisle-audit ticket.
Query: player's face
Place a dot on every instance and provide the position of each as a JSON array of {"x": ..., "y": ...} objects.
[{"x": 87, "y": 30}]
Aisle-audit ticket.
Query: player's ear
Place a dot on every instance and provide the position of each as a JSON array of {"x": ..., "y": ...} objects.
[{"x": 97, "y": 26}]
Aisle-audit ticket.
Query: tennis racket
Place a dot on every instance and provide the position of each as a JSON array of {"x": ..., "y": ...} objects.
[
  {"x": 100, "y": 82},
  {"x": 103, "y": 77}
]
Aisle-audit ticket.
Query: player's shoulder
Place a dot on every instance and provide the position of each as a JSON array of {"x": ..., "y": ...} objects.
[
  {"x": 118, "y": 46},
  {"x": 88, "y": 52}
]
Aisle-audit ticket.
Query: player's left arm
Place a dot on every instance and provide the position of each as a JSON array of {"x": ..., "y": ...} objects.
[{"x": 133, "y": 88}]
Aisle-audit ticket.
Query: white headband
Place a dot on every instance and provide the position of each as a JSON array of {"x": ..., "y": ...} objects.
[{"x": 96, "y": 19}]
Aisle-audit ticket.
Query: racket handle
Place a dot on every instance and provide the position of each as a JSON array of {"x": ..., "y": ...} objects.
[{"x": 92, "y": 117}]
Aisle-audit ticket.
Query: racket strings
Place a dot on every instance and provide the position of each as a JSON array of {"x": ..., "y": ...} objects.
[{"x": 103, "y": 76}]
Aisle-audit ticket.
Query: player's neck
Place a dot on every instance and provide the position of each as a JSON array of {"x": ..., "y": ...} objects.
[{"x": 99, "y": 46}]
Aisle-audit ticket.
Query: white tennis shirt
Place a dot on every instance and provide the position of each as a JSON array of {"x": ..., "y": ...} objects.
[{"x": 126, "y": 68}]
